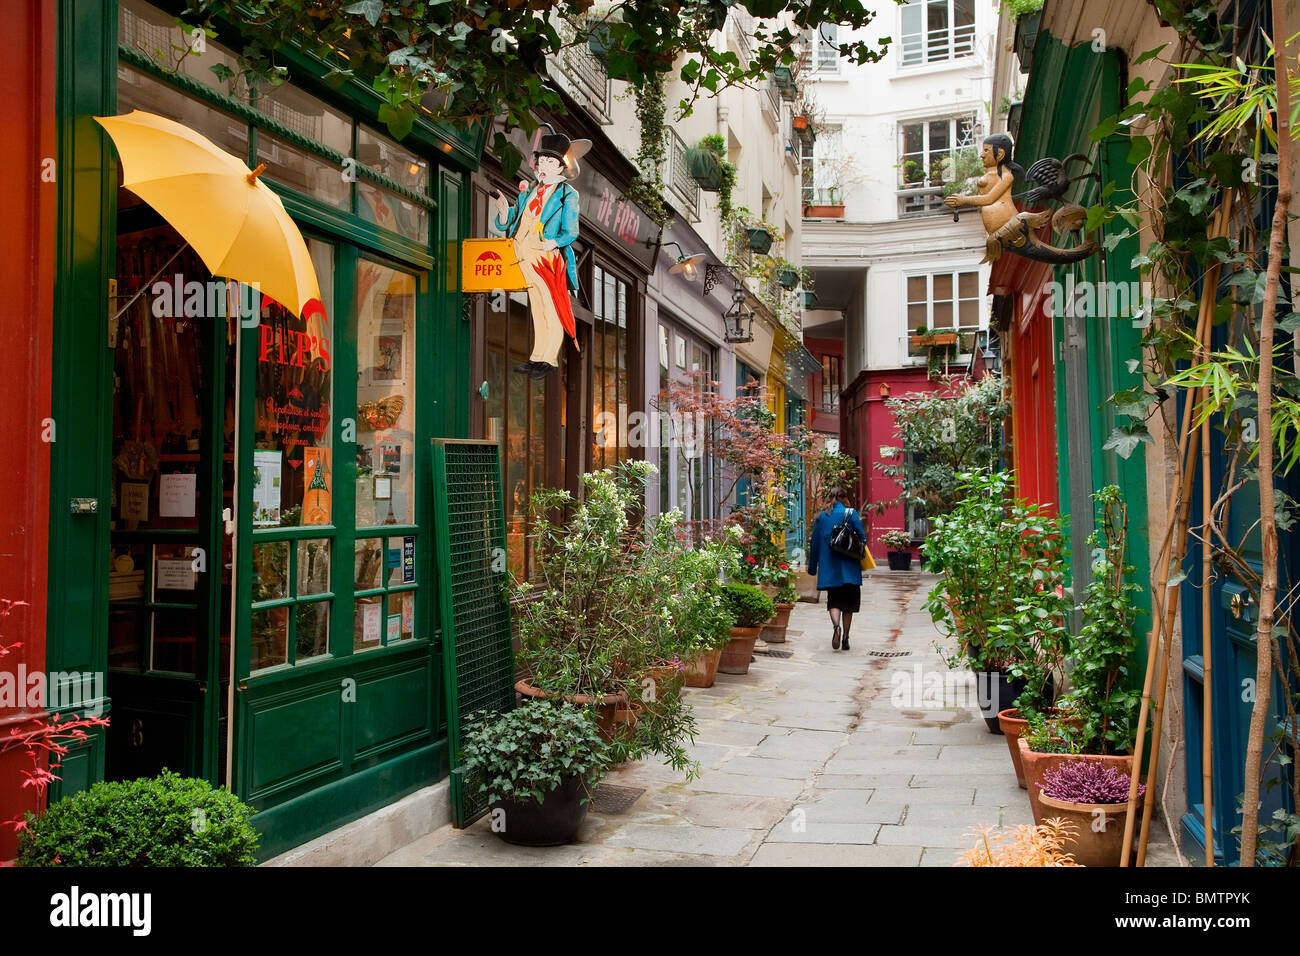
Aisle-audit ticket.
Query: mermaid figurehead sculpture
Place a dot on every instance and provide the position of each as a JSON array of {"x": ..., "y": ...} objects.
[{"x": 1009, "y": 229}]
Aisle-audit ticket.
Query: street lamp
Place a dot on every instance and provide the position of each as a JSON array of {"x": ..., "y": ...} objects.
[
  {"x": 738, "y": 321},
  {"x": 687, "y": 266}
]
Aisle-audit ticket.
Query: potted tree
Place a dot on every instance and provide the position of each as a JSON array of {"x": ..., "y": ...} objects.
[
  {"x": 1093, "y": 797},
  {"x": 535, "y": 765},
  {"x": 899, "y": 544},
  {"x": 595, "y": 571},
  {"x": 751, "y": 608}
]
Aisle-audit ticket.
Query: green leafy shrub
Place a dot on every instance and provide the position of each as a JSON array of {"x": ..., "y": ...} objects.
[
  {"x": 168, "y": 820},
  {"x": 528, "y": 752},
  {"x": 750, "y": 605}
]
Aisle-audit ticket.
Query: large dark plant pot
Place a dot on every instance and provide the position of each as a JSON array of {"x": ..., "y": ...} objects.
[
  {"x": 900, "y": 560},
  {"x": 554, "y": 821},
  {"x": 760, "y": 240},
  {"x": 996, "y": 692},
  {"x": 705, "y": 167}
]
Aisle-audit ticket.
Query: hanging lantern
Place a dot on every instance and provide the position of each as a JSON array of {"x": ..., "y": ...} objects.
[{"x": 738, "y": 321}]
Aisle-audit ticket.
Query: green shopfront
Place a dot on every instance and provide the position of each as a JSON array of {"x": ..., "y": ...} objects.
[{"x": 241, "y": 500}]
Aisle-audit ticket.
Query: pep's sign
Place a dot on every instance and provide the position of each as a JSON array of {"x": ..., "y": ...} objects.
[{"x": 490, "y": 264}]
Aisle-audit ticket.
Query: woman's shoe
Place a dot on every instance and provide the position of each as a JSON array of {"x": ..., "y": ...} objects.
[
  {"x": 844, "y": 644},
  {"x": 835, "y": 641}
]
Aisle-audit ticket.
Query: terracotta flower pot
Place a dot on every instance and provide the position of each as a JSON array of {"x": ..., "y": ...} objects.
[
  {"x": 1036, "y": 764},
  {"x": 667, "y": 683},
  {"x": 1099, "y": 829},
  {"x": 1012, "y": 726},
  {"x": 702, "y": 671},
  {"x": 611, "y": 710},
  {"x": 774, "y": 630},
  {"x": 768, "y": 589},
  {"x": 736, "y": 655}
]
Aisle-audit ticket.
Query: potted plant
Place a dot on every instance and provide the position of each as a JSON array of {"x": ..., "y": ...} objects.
[
  {"x": 925, "y": 338},
  {"x": 784, "y": 77},
  {"x": 774, "y": 630},
  {"x": 707, "y": 162},
  {"x": 899, "y": 544},
  {"x": 760, "y": 238},
  {"x": 787, "y": 275},
  {"x": 1001, "y": 596},
  {"x": 535, "y": 766},
  {"x": 751, "y": 607},
  {"x": 572, "y": 618},
  {"x": 809, "y": 299},
  {"x": 1093, "y": 797},
  {"x": 1099, "y": 717}
]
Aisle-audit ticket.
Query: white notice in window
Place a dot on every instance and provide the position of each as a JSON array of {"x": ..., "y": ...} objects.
[{"x": 176, "y": 494}]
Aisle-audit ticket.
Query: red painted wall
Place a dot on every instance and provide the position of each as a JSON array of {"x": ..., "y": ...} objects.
[
  {"x": 1031, "y": 368},
  {"x": 27, "y": 207},
  {"x": 866, "y": 426}
]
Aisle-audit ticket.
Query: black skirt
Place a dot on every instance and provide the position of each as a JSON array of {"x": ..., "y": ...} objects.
[{"x": 844, "y": 597}]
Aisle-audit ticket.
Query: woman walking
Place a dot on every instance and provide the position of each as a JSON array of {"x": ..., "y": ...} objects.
[{"x": 840, "y": 577}]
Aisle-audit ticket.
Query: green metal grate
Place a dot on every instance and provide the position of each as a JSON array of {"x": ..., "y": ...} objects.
[{"x": 470, "y": 538}]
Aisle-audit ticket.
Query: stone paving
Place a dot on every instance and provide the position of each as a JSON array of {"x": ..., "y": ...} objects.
[{"x": 817, "y": 759}]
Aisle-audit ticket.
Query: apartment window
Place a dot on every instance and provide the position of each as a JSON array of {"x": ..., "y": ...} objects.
[
  {"x": 936, "y": 30},
  {"x": 944, "y": 302},
  {"x": 828, "y": 48},
  {"x": 823, "y": 167},
  {"x": 832, "y": 382},
  {"x": 925, "y": 148}
]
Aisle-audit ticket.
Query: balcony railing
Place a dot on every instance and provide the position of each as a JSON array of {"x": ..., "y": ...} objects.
[
  {"x": 683, "y": 190},
  {"x": 773, "y": 101},
  {"x": 738, "y": 27},
  {"x": 920, "y": 201},
  {"x": 793, "y": 148},
  {"x": 584, "y": 78}
]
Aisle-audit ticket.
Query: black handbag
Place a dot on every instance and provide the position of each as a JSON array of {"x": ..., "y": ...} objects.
[{"x": 846, "y": 541}]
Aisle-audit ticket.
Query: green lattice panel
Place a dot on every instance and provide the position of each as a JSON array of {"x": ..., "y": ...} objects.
[{"x": 470, "y": 538}]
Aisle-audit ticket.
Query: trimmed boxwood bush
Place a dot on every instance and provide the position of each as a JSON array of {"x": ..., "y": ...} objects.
[
  {"x": 751, "y": 606},
  {"x": 169, "y": 820}
]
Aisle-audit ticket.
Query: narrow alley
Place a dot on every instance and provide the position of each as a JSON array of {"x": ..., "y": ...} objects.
[{"x": 814, "y": 758}]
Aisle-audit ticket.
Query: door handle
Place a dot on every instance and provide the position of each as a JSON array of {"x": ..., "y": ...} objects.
[
  {"x": 1238, "y": 605},
  {"x": 229, "y": 519}
]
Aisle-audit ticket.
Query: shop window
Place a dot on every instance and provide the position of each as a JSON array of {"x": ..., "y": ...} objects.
[
  {"x": 385, "y": 417},
  {"x": 157, "y": 35},
  {"x": 301, "y": 171},
  {"x": 307, "y": 116},
  {"x": 384, "y": 207},
  {"x": 686, "y": 476},
  {"x": 137, "y": 90},
  {"x": 384, "y": 570},
  {"x": 609, "y": 382}
]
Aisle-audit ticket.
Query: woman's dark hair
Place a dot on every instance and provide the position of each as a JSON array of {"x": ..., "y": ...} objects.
[
  {"x": 1001, "y": 141},
  {"x": 834, "y": 493}
]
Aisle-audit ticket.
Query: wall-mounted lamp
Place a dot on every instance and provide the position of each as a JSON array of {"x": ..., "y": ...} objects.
[{"x": 688, "y": 266}]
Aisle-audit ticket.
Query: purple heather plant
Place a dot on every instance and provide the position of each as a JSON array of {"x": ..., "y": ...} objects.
[{"x": 1087, "y": 781}]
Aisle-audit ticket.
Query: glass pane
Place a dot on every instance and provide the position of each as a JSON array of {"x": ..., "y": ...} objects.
[
  {"x": 126, "y": 580},
  {"x": 916, "y": 316},
  {"x": 408, "y": 615},
  {"x": 369, "y": 558},
  {"x": 157, "y": 35},
  {"x": 127, "y": 632},
  {"x": 302, "y": 171},
  {"x": 270, "y": 571},
  {"x": 392, "y": 160},
  {"x": 292, "y": 466},
  {"x": 307, "y": 116},
  {"x": 916, "y": 289},
  {"x": 313, "y": 624},
  {"x": 313, "y": 567},
  {"x": 385, "y": 489},
  {"x": 968, "y": 285},
  {"x": 400, "y": 550},
  {"x": 175, "y": 640},
  {"x": 390, "y": 211},
  {"x": 663, "y": 352},
  {"x": 681, "y": 351},
  {"x": 942, "y": 315},
  {"x": 270, "y": 638},
  {"x": 942, "y": 287},
  {"x": 174, "y": 579},
  {"x": 368, "y": 623},
  {"x": 970, "y": 313}
]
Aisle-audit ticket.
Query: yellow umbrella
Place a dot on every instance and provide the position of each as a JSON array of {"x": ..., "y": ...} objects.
[{"x": 236, "y": 224}]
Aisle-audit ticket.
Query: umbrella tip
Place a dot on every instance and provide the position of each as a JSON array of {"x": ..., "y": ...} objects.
[{"x": 252, "y": 177}]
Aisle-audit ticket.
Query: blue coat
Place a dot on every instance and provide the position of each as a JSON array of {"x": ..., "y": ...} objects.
[
  {"x": 833, "y": 569},
  {"x": 559, "y": 221}
]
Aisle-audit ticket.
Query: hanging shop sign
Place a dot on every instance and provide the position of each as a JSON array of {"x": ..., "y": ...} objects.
[{"x": 1013, "y": 231}]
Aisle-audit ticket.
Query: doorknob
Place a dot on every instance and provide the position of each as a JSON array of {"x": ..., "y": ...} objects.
[
  {"x": 229, "y": 519},
  {"x": 1238, "y": 604}
]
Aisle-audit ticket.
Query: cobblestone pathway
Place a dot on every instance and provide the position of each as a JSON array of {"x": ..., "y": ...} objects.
[{"x": 808, "y": 760}]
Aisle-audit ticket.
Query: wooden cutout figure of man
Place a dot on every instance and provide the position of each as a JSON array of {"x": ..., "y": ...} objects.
[{"x": 544, "y": 224}]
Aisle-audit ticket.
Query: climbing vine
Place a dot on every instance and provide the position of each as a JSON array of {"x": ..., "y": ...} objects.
[{"x": 647, "y": 190}]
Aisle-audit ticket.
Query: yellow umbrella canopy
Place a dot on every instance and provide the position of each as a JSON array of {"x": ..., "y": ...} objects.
[{"x": 236, "y": 224}]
